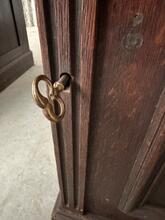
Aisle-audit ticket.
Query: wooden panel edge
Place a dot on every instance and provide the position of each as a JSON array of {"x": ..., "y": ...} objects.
[{"x": 149, "y": 151}]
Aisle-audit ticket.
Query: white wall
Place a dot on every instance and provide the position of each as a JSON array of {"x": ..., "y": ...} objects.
[{"x": 29, "y": 12}]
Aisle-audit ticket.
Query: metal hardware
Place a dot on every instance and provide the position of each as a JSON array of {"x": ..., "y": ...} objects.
[{"x": 54, "y": 90}]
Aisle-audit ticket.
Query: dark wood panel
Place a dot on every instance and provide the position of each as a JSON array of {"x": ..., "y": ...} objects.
[
  {"x": 128, "y": 80},
  {"x": 15, "y": 69},
  {"x": 41, "y": 21},
  {"x": 150, "y": 213},
  {"x": 13, "y": 42},
  {"x": 148, "y": 160},
  {"x": 8, "y": 32},
  {"x": 61, "y": 213},
  {"x": 156, "y": 192}
]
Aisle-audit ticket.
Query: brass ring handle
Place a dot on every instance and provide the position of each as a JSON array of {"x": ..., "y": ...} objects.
[
  {"x": 53, "y": 95},
  {"x": 49, "y": 113},
  {"x": 40, "y": 100}
]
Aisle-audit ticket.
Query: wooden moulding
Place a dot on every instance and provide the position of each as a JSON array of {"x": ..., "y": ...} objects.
[
  {"x": 14, "y": 69},
  {"x": 57, "y": 47}
]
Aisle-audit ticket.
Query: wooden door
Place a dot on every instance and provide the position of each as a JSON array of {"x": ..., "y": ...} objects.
[
  {"x": 109, "y": 148},
  {"x": 15, "y": 56}
]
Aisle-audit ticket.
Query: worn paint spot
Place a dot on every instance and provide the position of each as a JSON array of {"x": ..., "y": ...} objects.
[
  {"x": 132, "y": 93},
  {"x": 107, "y": 199},
  {"x": 159, "y": 39},
  {"x": 133, "y": 40},
  {"x": 128, "y": 93},
  {"x": 138, "y": 19},
  {"x": 111, "y": 92},
  {"x": 132, "y": 113}
]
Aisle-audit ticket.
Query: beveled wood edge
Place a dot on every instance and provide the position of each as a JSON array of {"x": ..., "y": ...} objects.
[
  {"x": 150, "y": 213},
  {"x": 10, "y": 72},
  {"x": 150, "y": 150},
  {"x": 62, "y": 213},
  {"x": 144, "y": 213},
  {"x": 154, "y": 184},
  {"x": 13, "y": 54}
]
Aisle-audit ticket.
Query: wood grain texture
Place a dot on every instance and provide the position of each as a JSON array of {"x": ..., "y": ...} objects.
[
  {"x": 67, "y": 126},
  {"x": 46, "y": 12},
  {"x": 72, "y": 180},
  {"x": 150, "y": 213},
  {"x": 127, "y": 83},
  {"x": 56, "y": 54},
  {"x": 149, "y": 156},
  {"x": 113, "y": 127},
  {"x": 59, "y": 213},
  {"x": 144, "y": 213},
  {"x": 63, "y": 64},
  {"x": 86, "y": 54},
  {"x": 155, "y": 194}
]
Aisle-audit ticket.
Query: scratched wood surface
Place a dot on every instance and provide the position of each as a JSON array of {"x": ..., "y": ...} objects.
[
  {"x": 128, "y": 80},
  {"x": 148, "y": 162}
]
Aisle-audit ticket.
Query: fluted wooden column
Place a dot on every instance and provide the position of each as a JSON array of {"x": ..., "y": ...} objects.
[{"x": 109, "y": 147}]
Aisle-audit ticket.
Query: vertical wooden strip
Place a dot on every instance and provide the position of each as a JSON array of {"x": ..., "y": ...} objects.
[
  {"x": 62, "y": 50},
  {"x": 86, "y": 53},
  {"x": 42, "y": 20},
  {"x": 62, "y": 35},
  {"x": 68, "y": 143}
]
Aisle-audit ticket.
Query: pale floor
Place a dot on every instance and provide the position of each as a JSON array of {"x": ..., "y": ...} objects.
[{"x": 28, "y": 179}]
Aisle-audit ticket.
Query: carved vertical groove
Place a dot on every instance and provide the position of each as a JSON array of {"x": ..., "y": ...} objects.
[
  {"x": 71, "y": 135},
  {"x": 87, "y": 24}
]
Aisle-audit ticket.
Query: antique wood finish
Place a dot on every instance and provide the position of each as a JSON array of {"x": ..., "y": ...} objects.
[
  {"x": 110, "y": 146},
  {"x": 127, "y": 83},
  {"x": 15, "y": 57},
  {"x": 148, "y": 162}
]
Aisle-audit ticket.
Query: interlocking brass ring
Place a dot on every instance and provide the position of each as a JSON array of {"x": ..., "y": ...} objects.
[{"x": 46, "y": 103}]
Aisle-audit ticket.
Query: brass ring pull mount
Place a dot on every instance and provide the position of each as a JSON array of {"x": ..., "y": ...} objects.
[{"x": 54, "y": 90}]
